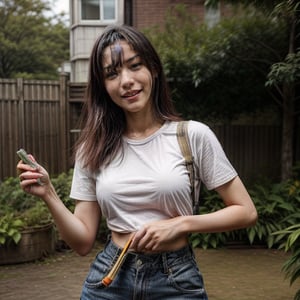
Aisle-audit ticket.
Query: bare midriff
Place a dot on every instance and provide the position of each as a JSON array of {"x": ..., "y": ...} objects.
[{"x": 120, "y": 239}]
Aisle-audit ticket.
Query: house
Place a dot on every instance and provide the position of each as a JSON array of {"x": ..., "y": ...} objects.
[{"x": 89, "y": 17}]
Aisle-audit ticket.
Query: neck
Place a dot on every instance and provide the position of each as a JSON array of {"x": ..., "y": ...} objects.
[{"x": 140, "y": 128}]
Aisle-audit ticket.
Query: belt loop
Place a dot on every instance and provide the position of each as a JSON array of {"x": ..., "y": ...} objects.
[
  {"x": 165, "y": 262},
  {"x": 108, "y": 240}
]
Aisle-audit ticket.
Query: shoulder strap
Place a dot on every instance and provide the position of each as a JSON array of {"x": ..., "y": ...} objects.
[{"x": 183, "y": 141}]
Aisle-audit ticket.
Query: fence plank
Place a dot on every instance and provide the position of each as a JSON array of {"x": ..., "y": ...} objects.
[
  {"x": 30, "y": 118},
  {"x": 253, "y": 150},
  {"x": 42, "y": 117}
]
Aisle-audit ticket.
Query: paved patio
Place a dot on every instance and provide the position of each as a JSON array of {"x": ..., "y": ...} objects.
[{"x": 230, "y": 274}]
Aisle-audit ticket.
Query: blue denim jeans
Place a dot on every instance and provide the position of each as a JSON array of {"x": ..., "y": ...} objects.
[{"x": 164, "y": 276}]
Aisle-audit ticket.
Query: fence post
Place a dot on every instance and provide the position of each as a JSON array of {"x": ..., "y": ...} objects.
[
  {"x": 21, "y": 125},
  {"x": 63, "y": 121}
]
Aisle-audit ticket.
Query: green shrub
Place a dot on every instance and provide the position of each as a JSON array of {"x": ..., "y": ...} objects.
[
  {"x": 62, "y": 184},
  {"x": 13, "y": 198},
  {"x": 19, "y": 210},
  {"x": 277, "y": 206},
  {"x": 10, "y": 229},
  {"x": 290, "y": 238}
]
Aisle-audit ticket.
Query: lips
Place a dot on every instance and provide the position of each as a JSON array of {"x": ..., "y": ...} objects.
[{"x": 131, "y": 94}]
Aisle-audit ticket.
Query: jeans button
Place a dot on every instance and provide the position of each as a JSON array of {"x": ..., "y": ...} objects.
[{"x": 139, "y": 262}]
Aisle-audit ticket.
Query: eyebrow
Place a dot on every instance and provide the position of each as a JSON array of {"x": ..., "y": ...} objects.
[{"x": 126, "y": 62}]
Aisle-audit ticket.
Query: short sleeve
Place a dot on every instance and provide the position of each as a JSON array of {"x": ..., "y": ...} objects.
[
  {"x": 83, "y": 184},
  {"x": 213, "y": 165}
]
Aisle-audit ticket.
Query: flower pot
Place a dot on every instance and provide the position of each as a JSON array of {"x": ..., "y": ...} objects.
[{"x": 35, "y": 243}]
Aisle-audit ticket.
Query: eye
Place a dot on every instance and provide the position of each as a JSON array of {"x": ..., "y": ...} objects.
[
  {"x": 111, "y": 73},
  {"x": 136, "y": 66}
]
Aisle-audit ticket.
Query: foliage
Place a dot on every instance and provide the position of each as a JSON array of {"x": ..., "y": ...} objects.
[
  {"x": 31, "y": 44},
  {"x": 10, "y": 229},
  {"x": 277, "y": 207},
  {"x": 284, "y": 90},
  {"x": 179, "y": 41},
  {"x": 287, "y": 71},
  {"x": 35, "y": 216},
  {"x": 291, "y": 242},
  {"x": 12, "y": 197},
  {"x": 19, "y": 210},
  {"x": 62, "y": 184},
  {"x": 219, "y": 73}
]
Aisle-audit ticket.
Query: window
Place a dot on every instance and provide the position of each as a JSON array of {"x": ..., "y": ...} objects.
[{"x": 104, "y": 10}]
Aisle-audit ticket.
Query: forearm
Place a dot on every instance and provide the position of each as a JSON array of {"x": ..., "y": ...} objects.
[
  {"x": 71, "y": 228},
  {"x": 227, "y": 219}
]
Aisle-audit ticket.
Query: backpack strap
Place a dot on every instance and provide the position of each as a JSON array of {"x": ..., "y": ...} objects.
[{"x": 183, "y": 141}]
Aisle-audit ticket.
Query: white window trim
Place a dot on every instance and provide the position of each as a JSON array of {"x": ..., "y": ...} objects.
[{"x": 98, "y": 21}]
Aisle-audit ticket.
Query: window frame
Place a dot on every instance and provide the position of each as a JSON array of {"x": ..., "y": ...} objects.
[{"x": 100, "y": 20}]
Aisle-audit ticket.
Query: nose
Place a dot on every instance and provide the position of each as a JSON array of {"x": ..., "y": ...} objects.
[{"x": 126, "y": 78}]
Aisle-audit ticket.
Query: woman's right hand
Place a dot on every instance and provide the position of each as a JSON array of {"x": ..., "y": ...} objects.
[{"x": 34, "y": 181}]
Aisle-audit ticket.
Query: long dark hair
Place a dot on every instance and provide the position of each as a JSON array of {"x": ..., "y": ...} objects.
[{"x": 102, "y": 121}]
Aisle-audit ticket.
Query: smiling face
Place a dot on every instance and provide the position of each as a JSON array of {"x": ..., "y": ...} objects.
[{"x": 126, "y": 78}]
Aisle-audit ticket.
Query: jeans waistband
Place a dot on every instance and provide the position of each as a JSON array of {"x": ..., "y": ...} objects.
[{"x": 155, "y": 260}]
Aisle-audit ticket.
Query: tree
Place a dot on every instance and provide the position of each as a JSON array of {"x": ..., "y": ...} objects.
[
  {"x": 284, "y": 75},
  {"x": 32, "y": 45},
  {"x": 218, "y": 74}
]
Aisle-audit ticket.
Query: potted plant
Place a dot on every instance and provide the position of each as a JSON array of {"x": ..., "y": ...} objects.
[{"x": 26, "y": 227}]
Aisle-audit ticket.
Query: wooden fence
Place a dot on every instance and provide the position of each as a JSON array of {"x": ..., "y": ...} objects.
[
  {"x": 41, "y": 116},
  {"x": 33, "y": 116}
]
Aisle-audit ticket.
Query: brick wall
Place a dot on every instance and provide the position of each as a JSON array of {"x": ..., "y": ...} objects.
[
  {"x": 153, "y": 12},
  {"x": 146, "y": 13}
]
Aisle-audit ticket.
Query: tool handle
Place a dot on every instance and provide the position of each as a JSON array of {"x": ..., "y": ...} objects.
[{"x": 107, "y": 280}]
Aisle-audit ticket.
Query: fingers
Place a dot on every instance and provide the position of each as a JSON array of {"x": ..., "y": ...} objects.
[
  {"x": 145, "y": 241},
  {"x": 30, "y": 178},
  {"x": 21, "y": 167}
]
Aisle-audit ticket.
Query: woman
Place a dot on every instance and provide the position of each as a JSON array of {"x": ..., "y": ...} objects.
[{"x": 130, "y": 170}]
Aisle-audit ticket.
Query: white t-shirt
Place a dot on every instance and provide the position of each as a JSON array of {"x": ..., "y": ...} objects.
[{"x": 150, "y": 182}]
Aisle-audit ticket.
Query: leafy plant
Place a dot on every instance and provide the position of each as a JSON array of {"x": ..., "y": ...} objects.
[
  {"x": 19, "y": 211},
  {"x": 272, "y": 207},
  {"x": 13, "y": 198},
  {"x": 62, "y": 184},
  {"x": 10, "y": 229},
  {"x": 36, "y": 216},
  {"x": 276, "y": 205},
  {"x": 291, "y": 242}
]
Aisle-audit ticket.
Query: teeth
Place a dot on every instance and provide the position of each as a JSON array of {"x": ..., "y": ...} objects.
[{"x": 130, "y": 94}]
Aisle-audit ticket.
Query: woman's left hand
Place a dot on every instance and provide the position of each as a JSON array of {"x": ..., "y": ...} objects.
[{"x": 158, "y": 236}]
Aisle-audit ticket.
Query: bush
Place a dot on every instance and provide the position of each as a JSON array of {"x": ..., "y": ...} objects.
[
  {"x": 19, "y": 210},
  {"x": 291, "y": 242},
  {"x": 219, "y": 73},
  {"x": 62, "y": 184},
  {"x": 277, "y": 206}
]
